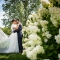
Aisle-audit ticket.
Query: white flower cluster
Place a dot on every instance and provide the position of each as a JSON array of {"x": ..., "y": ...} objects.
[
  {"x": 43, "y": 24},
  {"x": 33, "y": 17},
  {"x": 33, "y": 29},
  {"x": 47, "y": 36},
  {"x": 30, "y": 29},
  {"x": 33, "y": 53},
  {"x": 59, "y": 55},
  {"x": 45, "y": 32},
  {"x": 43, "y": 12},
  {"x": 46, "y": 59},
  {"x": 34, "y": 41},
  {"x": 57, "y": 38},
  {"x": 30, "y": 16},
  {"x": 55, "y": 16},
  {"x": 30, "y": 23}
]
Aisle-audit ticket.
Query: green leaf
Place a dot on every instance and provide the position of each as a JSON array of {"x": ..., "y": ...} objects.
[
  {"x": 50, "y": 54},
  {"x": 51, "y": 47},
  {"x": 46, "y": 46},
  {"x": 55, "y": 51}
]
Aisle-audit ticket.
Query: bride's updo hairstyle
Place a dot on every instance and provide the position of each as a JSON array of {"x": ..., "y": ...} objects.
[{"x": 13, "y": 20}]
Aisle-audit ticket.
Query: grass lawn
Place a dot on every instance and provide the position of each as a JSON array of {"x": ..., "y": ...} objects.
[{"x": 13, "y": 56}]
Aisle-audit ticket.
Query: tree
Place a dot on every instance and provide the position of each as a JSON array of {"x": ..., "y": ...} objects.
[
  {"x": 13, "y": 9},
  {"x": 19, "y": 9}
]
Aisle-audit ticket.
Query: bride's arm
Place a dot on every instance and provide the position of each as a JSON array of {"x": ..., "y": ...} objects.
[
  {"x": 15, "y": 28},
  {"x": 19, "y": 28}
]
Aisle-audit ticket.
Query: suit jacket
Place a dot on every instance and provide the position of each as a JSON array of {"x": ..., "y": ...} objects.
[{"x": 19, "y": 31}]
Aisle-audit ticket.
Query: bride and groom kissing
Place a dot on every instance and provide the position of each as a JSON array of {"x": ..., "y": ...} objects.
[{"x": 15, "y": 39}]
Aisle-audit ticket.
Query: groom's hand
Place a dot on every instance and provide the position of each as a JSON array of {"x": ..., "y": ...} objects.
[{"x": 16, "y": 28}]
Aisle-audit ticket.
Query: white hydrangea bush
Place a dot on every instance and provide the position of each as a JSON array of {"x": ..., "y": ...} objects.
[
  {"x": 32, "y": 43},
  {"x": 42, "y": 34}
]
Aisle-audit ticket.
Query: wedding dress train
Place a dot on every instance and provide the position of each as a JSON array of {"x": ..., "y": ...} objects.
[{"x": 4, "y": 43}]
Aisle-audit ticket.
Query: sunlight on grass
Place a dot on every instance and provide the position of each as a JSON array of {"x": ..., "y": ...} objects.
[
  {"x": 4, "y": 56},
  {"x": 13, "y": 56}
]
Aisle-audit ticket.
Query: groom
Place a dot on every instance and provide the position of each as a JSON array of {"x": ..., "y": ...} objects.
[{"x": 19, "y": 32}]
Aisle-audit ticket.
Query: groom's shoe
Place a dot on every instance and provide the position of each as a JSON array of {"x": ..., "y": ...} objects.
[{"x": 21, "y": 52}]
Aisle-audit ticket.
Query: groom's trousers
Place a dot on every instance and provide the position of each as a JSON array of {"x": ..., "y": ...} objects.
[{"x": 20, "y": 44}]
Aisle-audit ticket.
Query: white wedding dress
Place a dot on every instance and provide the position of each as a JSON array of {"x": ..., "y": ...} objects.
[{"x": 9, "y": 44}]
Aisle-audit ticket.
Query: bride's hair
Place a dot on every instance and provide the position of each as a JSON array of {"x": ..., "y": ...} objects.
[{"x": 13, "y": 20}]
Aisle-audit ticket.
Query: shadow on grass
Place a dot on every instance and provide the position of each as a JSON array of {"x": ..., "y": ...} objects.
[{"x": 13, "y": 56}]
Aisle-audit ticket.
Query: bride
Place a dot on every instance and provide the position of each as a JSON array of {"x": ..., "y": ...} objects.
[{"x": 9, "y": 44}]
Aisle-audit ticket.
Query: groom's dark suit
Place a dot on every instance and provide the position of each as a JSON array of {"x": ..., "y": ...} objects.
[{"x": 19, "y": 32}]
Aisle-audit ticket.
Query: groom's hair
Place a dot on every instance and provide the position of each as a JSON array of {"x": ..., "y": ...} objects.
[
  {"x": 13, "y": 20},
  {"x": 17, "y": 19}
]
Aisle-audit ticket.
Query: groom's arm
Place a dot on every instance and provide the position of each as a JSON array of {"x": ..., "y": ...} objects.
[{"x": 19, "y": 28}]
